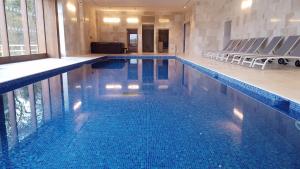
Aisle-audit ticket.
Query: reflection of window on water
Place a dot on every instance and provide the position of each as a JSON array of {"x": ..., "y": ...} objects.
[
  {"x": 7, "y": 121},
  {"x": 23, "y": 113},
  {"x": 39, "y": 103}
]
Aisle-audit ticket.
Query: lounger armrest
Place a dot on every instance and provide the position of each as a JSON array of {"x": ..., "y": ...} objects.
[
  {"x": 250, "y": 55},
  {"x": 267, "y": 57}
]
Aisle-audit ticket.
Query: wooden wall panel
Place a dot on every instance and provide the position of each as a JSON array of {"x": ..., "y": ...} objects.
[
  {"x": 40, "y": 26},
  {"x": 3, "y": 29},
  {"x": 51, "y": 28},
  {"x": 25, "y": 26}
]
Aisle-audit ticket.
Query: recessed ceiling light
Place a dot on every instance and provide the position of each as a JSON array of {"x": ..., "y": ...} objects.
[
  {"x": 111, "y": 20},
  {"x": 132, "y": 20},
  {"x": 246, "y": 4},
  {"x": 163, "y": 20},
  {"x": 71, "y": 7}
]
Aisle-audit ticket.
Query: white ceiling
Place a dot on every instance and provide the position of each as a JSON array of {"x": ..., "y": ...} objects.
[{"x": 149, "y": 5}]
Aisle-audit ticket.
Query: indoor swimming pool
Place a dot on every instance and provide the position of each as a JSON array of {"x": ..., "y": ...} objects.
[{"x": 144, "y": 113}]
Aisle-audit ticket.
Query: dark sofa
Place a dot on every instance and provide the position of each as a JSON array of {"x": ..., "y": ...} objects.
[{"x": 107, "y": 47}]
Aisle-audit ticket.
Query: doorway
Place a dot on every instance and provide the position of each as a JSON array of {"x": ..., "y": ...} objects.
[
  {"x": 163, "y": 41},
  {"x": 227, "y": 33},
  {"x": 132, "y": 40},
  {"x": 148, "y": 38}
]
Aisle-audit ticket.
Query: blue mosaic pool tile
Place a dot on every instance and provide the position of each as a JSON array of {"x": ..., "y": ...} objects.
[
  {"x": 140, "y": 57},
  {"x": 292, "y": 109},
  {"x": 190, "y": 125}
]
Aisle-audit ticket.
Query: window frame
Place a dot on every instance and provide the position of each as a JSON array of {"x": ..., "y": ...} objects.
[{"x": 41, "y": 38}]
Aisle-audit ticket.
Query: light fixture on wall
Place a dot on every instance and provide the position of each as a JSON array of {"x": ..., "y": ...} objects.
[
  {"x": 132, "y": 20},
  {"x": 71, "y": 7},
  {"x": 274, "y": 20},
  {"x": 161, "y": 20},
  {"x": 111, "y": 20},
  {"x": 294, "y": 20},
  {"x": 186, "y": 4},
  {"x": 246, "y": 4}
]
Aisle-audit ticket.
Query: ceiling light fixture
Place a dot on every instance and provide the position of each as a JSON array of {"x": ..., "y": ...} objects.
[
  {"x": 71, "y": 7},
  {"x": 246, "y": 4},
  {"x": 164, "y": 20},
  {"x": 111, "y": 20},
  {"x": 294, "y": 20},
  {"x": 186, "y": 4},
  {"x": 132, "y": 20},
  {"x": 274, "y": 20}
]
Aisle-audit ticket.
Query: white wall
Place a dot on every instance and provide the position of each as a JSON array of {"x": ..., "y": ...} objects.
[
  {"x": 107, "y": 32},
  {"x": 78, "y": 25}
]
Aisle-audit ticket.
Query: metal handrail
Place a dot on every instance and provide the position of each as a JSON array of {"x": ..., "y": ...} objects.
[{"x": 19, "y": 49}]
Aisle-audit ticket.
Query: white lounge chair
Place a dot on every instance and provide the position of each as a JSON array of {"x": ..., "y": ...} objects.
[
  {"x": 237, "y": 49},
  {"x": 229, "y": 49},
  {"x": 212, "y": 53},
  {"x": 245, "y": 49},
  {"x": 259, "y": 42},
  {"x": 293, "y": 54},
  {"x": 271, "y": 46},
  {"x": 282, "y": 52}
]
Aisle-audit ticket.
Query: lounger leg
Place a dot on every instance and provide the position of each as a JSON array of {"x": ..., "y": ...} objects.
[
  {"x": 234, "y": 59},
  {"x": 220, "y": 57},
  {"x": 240, "y": 59},
  {"x": 249, "y": 62},
  {"x": 227, "y": 57},
  {"x": 243, "y": 61},
  {"x": 265, "y": 64},
  {"x": 254, "y": 63}
]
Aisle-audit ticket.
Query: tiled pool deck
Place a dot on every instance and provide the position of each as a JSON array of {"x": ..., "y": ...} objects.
[{"x": 277, "y": 82}]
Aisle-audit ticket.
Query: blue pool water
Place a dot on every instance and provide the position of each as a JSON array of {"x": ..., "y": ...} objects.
[{"x": 152, "y": 114}]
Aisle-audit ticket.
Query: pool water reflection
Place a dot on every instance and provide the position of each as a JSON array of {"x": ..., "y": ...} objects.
[{"x": 133, "y": 113}]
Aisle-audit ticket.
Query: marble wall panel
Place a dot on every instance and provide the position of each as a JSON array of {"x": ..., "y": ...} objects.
[{"x": 265, "y": 18}]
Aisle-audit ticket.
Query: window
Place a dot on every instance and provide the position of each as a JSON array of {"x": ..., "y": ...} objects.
[
  {"x": 31, "y": 14},
  {"x": 22, "y": 29},
  {"x": 14, "y": 27}
]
